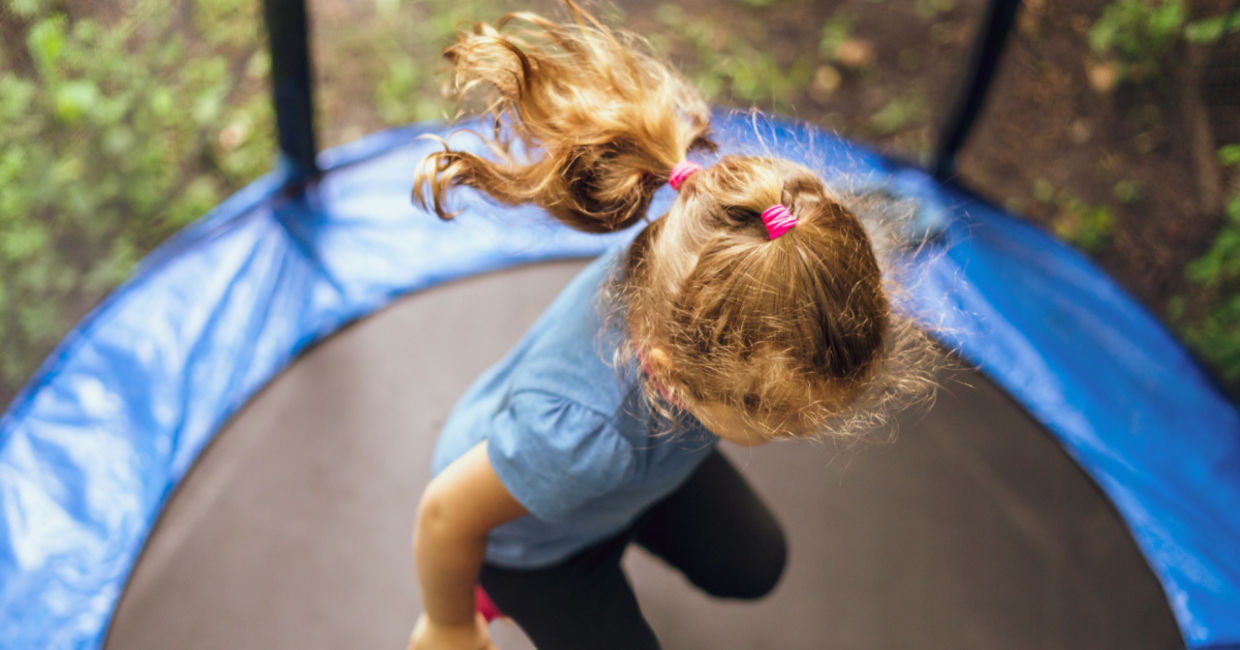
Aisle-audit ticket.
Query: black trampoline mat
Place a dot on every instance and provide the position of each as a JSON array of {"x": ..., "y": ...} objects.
[{"x": 293, "y": 530}]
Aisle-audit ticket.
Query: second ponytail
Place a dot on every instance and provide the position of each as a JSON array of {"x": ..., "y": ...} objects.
[{"x": 587, "y": 125}]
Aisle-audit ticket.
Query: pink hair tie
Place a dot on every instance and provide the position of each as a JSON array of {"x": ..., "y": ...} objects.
[
  {"x": 681, "y": 171},
  {"x": 778, "y": 220}
]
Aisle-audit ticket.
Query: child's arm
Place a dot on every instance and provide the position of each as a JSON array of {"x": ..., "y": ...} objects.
[{"x": 459, "y": 507}]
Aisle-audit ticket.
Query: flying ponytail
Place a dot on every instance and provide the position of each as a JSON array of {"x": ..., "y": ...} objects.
[{"x": 586, "y": 124}]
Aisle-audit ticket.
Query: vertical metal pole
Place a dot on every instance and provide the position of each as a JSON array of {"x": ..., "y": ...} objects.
[
  {"x": 292, "y": 92},
  {"x": 992, "y": 35}
]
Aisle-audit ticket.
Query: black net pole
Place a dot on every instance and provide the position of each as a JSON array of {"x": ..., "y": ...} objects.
[
  {"x": 287, "y": 36},
  {"x": 992, "y": 35}
]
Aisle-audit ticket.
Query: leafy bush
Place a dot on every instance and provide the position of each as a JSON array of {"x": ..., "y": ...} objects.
[
  {"x": 116, "y": 135},
  {"x": 726, "y": 61},
  {"x": 1139, "y": 34},
  {"x": 399, "y": 45},
  {"x": 1213, "y": 328},
  {"x": 1209, "y": 30},
  {"x": 1086, "y": 226},
  {"x": 900, "y": 112}
]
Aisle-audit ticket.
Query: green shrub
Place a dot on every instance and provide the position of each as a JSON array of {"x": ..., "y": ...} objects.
[
  {"x": 112, "y": 141},
  {"x": 403, "y": 45},
  {"x": 1213, "y": 328},
  {"x": 1209, "y": 30},
  {"x": 1084, "y": 225},
  {"x": 900, "y": 113},
  {"x": 1138, "y": 34},
  {"x": 728, "y": 63}
]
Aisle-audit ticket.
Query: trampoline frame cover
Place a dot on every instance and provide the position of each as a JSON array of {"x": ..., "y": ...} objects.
[{"x": 93, "y": 446}]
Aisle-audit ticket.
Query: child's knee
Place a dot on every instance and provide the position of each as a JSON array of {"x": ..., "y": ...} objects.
[
  {"x": 758, "y": 576},
  {"x": 767, "y": 573}
]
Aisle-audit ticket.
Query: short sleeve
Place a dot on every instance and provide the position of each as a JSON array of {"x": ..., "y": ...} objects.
[{"x": 555, "y": 455}]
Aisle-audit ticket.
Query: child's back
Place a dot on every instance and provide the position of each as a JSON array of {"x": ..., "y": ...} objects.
[{"x": 568, "y": 434}]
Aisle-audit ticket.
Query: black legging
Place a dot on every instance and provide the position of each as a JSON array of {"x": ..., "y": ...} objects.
[{"x": 714, "y": 529}]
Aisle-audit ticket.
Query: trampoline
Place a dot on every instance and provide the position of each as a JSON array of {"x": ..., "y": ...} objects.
[{"x": 228, "y": 452}]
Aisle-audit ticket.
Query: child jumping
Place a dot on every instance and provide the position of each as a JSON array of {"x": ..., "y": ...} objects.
[{"x": 754, "y": 310}]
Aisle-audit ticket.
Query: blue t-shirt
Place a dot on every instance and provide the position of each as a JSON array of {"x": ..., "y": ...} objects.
[{"x": 568, "y": 435}]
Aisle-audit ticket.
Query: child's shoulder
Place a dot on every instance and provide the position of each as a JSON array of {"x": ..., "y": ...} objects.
[{"x": 569, "y": 349}]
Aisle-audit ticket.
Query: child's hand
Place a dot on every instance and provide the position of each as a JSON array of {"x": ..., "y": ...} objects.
[{"x": 430, "y": 636}]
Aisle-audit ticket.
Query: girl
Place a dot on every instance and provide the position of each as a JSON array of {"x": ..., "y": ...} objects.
[{"x": 754, "y": 310}]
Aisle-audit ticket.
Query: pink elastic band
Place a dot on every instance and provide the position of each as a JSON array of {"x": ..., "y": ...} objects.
[
  {"x": 681, "y": 171},
  {"x": 778, "y": 220}
]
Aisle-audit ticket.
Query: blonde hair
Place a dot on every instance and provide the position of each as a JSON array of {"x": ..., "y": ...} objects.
[{"x": 796, "y": 333}]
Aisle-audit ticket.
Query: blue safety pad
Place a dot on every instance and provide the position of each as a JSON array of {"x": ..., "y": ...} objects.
[{"x": 91, "y": 449}]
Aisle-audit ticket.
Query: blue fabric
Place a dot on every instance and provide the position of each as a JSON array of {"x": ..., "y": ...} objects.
[
  {"x": 567, "y": 433},
  {"x": 93, "y": 445}
]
